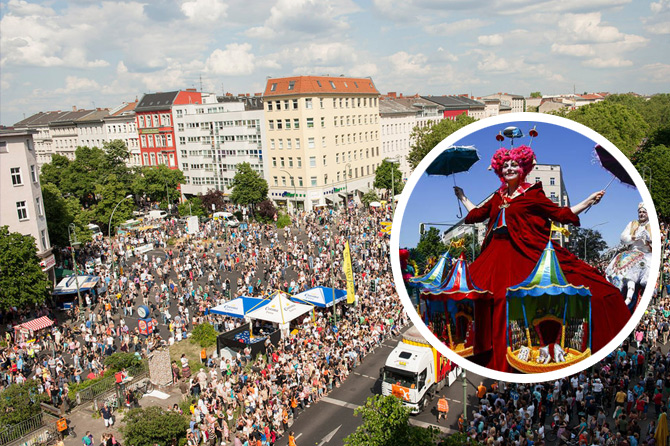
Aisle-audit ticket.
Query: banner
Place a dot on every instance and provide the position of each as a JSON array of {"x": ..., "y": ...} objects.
[{"x": 349, "y": 273}]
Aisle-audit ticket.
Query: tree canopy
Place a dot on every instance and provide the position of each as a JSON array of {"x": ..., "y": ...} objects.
[
  {"x": 430, "y": 245},
  {"x": 153, "y": 425},
  {"x": 654, "y": 163},
  {"x": 426, "y": 138},
  {"x": 249, "y": 188},
  {"x": 383, "y": 175},
  {"x": 386, "y": 423},
  {"x": 594, "y": 243},
  {"x": 158, "y": 183},
  {"x": 213, "y": 197},
  {"x": 22, "y": 281}
]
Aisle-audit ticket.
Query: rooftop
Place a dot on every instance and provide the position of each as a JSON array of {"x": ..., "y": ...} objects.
[
  {"x": 455, "y": 102},
  {"x": 301, "y": 85}
]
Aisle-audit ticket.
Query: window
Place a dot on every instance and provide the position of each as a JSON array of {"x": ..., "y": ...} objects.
[
  {"x": 318, "y": 83},
  {"x": 323, "y": 141},
  {"x": 299, "y": 159},
  {"x": 283, "y": 180},
  {"x": 290, "y": 161},
  {"x": 16, "y": 176},
  {"x": 310, "y": 143},
  {"x": 146, "y": 159},
  {"x": 38, "y": 206},
  {"x": 296, "y": 123},
  {"x": 287, "y": 123},
  {"x": 537, "y": 179},
  {"x": 44, "y": 239},
  {"x": 308, "y": 103},
  {"x": 269, "y": 105},
  {"x": 274, "y": 161},
  {"x": 300, "y": 181},
  {"x": 275, "y": 180},
  {"x": 281, "y": 144},
  {"x": 323, "y": 122},
  {"x": 153, "y": 159},
  {"x": 169, "y": 139},
  {"x": 180, "y": 126},
  {"x": 281, "y": 161},
  {"x": 273, "y": 87},
  {"x": 310, "y": 123},
  {"x": 33, "y": 173},
  {"x": 272, "y": 144},
  {"x": 332, "y": 84},
  {"x": 297, "y": 143},
  {"x": 286, "y": 104},
  {"x": 279, "y": 124},
  {"x": 552, "y": 181},
  {"x": 312, "y": 181},
  {"x": 288, "y": 144},
  {"x": 553, "y": 197},
  {"x": 291, "y": 84},
  {"x": 271, "y": 124},
  {"x": 337, "y": 158},
  {"x": 295, "y": 104},
  {"x": 312, "y": 161},
  {"x": 22, "y": 210},
  {"x": 324, "y": 160}
]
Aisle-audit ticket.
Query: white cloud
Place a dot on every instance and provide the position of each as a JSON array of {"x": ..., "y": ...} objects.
[
  {"x": 406, "y": 63},
  {"x": 210, "y": 11},
  {"x": 491, "y": 40},
  {"x": 21, "y": 8},
  {"x": 445, "y": 56},
  {"x": 452, "y": 28},
  {"x": 656, "y": 72},
  {"x": 659, "y": 22},
  {"x": 588, "y": 28},
  {"x": 577, "y": 50},
  {"x": 236, "y": 60},
  {"x": 612, "y": 62},
  {"x": 74, "y": 84},
  {"x": 523, "y": 7}
]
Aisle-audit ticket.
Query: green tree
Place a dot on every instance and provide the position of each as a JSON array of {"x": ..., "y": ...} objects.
[
  {"x": 621, "y": 125},
  {"x": 196, "y": 207},
  {"x": 369, "y": 197},
  {"x": 426, "y": 138},
  {"x": 249, "y": 188},
  {"x": 654, "y": 162},
  {"x": 383, "y": 177},
  {"x": 84, "y": 174},
  {"x": 459, "y": 439},
  {"x": 153, "y": 425},
  {"x": 594, "y": 242},
  {"x": 204, "y": 334},
  {"x": 19, "y": 402},
  {"x": 266, "y": 211},
  {"x": 158, "y": 183},
  {"x": 386, "y": 423},
  {"x": 60, "y": 213},
  {"x": 110, "y": 194},
  {"x": 430, "y": 244},
  {"x": 22, "y": 281},
  {"x": 56, "y": 172},
  {"x": 536, "y": 94}
]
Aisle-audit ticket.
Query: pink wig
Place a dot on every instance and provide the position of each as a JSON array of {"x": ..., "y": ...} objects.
[{"x": 523, "y": 155}]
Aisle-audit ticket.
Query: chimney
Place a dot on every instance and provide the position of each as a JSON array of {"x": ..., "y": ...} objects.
[
  {"x": 391, "y": 94},
  {"x": 74, "y": 108}
]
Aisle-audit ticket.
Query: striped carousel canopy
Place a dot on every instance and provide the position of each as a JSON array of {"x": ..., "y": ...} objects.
[
  {"x": 547, "y": 279},
  {"x": 435, "y": 276},
  {"x": 458, "y": 286}
]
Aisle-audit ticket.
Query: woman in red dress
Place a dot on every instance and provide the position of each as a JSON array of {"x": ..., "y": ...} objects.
[{"x": 519, "y": 222}]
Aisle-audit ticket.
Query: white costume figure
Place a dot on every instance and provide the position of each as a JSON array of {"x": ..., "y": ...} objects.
[
  {"x": 631, "y": 266},
  {"x": 559, "y": 353},
  {"x": 545, "y": 357}
]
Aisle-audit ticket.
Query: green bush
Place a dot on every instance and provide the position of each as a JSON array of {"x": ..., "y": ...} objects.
[
  {"x": 19, "y": 402},
  {"x": 204, "y": 334},
  {"x": 283, "y": 221},
  {"x": 153, "y": 425},
  {"x": 119, "y": 361}
]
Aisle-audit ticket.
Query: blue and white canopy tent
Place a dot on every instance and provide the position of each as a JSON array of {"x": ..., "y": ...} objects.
[
  {"x": 68, "y": 285},
  {"x": 320, "y": 296},
  {"x": 552, "y": 311},
  {"x": 240, "y": 306}
]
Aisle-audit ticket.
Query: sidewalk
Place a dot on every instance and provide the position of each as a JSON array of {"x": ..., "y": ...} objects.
[{"x": 81, "y": 419}]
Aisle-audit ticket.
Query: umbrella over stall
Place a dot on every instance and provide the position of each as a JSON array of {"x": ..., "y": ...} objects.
[{"x": 453, "y": 160}]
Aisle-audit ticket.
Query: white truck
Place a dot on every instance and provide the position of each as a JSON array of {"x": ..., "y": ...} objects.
[{"x": 415, "y": 371}]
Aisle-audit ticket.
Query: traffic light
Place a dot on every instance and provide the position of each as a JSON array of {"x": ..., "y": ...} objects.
[
  {"x": 422, "y": 228},
  {"x": 373, "y": 286}
]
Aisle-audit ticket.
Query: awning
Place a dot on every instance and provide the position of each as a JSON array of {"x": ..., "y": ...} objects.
[
  {"x": 239, "y": 306},
  {"x": 280, "y": 310},
  {"x": 35, "y": 324},
  {"x": 320, "y": 297},
  {"x": 69, "y": 285}
]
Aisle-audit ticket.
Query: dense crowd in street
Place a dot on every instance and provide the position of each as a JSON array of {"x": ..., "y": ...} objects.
[
  {"x": 188, "y": 275},
  {"x": 184, "y": 276}
]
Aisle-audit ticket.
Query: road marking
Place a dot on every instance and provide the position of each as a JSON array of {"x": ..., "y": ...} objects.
[
  {"x": 455, "y": 401},
  {"x": 330, "y": 436},
  {"x": 365, "y": 376},
  {"x": 423, "y": 424},
  {"x": 298, "y": 436},
  {"x": 330, "y": 400}
]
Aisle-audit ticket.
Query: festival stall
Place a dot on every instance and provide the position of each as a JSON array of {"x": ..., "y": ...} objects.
[
  {"x": 27, "y": 331},
  {"x": 280, "y": 310},
  {"x": 454, "y": 322},
  {"x": 240, "y": 306},
  {"x": 65, "y": 293},
  {"x": 321, "y": 297},
  {"x": 548, "y": 319}
]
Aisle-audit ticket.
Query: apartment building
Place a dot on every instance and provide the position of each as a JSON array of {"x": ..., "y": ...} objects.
[
  {"x": 120, "y": 124},
  {"x": 323, "y": 139},
  {"x": 452, "y": 106},
  {"x": 397, "y": 123},
  {"x": 21, "y": 203},
  {"x": 213, "y": 137},
  {"x": 516, "y": 102}
]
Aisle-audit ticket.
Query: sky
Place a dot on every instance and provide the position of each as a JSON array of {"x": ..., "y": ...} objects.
[
  {"x": 58, "y": 54},
  {"x": 433, "y": 201}
]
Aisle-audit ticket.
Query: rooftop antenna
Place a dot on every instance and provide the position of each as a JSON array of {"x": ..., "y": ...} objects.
[{"x": 200, "y": 83}]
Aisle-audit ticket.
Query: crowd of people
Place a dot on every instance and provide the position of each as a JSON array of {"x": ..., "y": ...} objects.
[{"x": 183, "y": 277}]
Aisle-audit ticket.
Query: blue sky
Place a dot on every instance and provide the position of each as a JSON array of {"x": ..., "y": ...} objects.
[
  {"x": 432, "y": 199},
  {"x": 57, "y": 54}
]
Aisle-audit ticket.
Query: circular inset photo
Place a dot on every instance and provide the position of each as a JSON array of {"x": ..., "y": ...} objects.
[{"x": 525, "y": 247}]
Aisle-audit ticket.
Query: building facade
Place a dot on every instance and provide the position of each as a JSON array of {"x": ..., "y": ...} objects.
[
  {"x": 397, "y": 123},
  {"x": 452, "y": 106},
  {"x": 323, "y": 139},
  {"x": 155, "y": 126},
  {"x": 516, "y": 102},
  {"x": 21, "y": 203},
  {"x": 214, "y": 137},
  {"x": 120, "y": 124}
]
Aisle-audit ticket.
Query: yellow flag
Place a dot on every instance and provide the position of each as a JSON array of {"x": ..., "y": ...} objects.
[
  {"x": 349, "y": 273},
  {"x": 460, "y": 243},
  {"x": 563, "y": 231},
  {"x": 386, "y": 227}
]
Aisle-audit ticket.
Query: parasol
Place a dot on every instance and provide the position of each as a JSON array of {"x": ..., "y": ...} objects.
[
  {"x": 612, "y": 165},
  {"x": 453, "y": 160}
]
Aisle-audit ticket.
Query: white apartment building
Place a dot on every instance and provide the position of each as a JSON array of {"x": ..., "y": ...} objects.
[
  {"x": 214, "y": 137},
  {"x": 397, "y": 123},
  {"x": 120, "y": 124},
  {"x": 21, "y": 203},
  {"x": 516, "y": 102},
  {"x": 323, "y": 139}
]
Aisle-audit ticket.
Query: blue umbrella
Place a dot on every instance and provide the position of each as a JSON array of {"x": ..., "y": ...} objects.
[{"x": 453, "y": 160}]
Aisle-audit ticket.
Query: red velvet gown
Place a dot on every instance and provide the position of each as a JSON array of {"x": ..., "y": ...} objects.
[{"x": 508, "y": 257}]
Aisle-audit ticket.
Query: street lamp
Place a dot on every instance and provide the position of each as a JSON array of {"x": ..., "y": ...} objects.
[
  {"x": 295, "y": 193},
  {"x": 72, "y": 235},
  {"x": 346, "y": 187},
  {"x": 585, "y": 235},
  {"x": 109, "y": 230},
  {"x": 393, "y": 162}
]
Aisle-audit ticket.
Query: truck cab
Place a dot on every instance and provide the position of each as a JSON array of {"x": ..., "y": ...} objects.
[{"x": 409, "y": 373}]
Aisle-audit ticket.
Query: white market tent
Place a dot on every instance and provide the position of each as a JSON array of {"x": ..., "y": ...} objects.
[
  {"x": 68, "y": 285},
  {"x": 280, "y": 310},
  {"x": 240, "y": 306},
  {"x": 320, "y": 296}
]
